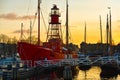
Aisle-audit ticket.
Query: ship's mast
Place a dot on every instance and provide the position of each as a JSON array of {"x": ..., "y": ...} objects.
[
  {"x": 39, "y": 1},
  {"x": 67, "y": 34}
]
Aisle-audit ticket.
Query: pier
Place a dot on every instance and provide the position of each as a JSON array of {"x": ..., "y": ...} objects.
[
  {"x": 108, "y": 64},
  {"x": 24, "y": 69},
  {"x": 92, "y": 61},
  {"x": 16, "y": 69},
  {"x": 95, "y": 61}
]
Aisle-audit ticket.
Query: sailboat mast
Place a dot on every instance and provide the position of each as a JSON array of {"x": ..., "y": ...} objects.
[
  {"x": 85, "y": 33},
  {"x": 110, "y": 35},
  {"x": 107, "y": 34},
  {"x": 30, "y": 30},
  {"x": 39, "y": 22},
  {"x": 21, "y": 31},
  {"x": 101, "y": 30},
  {"x": 67, "y": 34}
]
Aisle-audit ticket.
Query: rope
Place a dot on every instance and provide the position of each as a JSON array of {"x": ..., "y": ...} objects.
[
  {"x": 70, "y": 36},
  {"x": 34, "y": 20},
  {"x": 44, "y": 21}
]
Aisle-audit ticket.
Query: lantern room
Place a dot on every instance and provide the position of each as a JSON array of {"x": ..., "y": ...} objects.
[{"x": 54, "y": 15}]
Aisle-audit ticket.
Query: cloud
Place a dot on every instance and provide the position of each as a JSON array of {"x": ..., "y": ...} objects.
[
  {"x": 118, "y": 23},
  {"x": 69, "y": 26},
  {"x": 118, "y": 26},
  {"x": 13, "y": 16},
  {"x": 17, "y": 31},
  {"x": 118, "y": 20},
  {"x": 24, "y": 31}
]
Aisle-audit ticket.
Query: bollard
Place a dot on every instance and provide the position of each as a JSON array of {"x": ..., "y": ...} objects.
[
  {"x": 67, "y": 73},
  {"x": 7, "y": 75},
  {"x": 18, "y": 65},
  {"x": 9, "y": 66},
  {"x": 15, "y": 73},
  {"x": 25, "y": 66}
]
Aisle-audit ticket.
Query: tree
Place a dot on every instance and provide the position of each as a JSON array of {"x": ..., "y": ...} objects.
[{"x": 4, "y": 38}]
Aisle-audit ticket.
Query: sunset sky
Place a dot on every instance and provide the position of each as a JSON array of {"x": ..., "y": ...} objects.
[{"x": 15, "y": 12}]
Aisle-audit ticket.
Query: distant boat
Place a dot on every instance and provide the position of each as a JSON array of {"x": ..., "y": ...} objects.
[{"x": 53, "y": 48}]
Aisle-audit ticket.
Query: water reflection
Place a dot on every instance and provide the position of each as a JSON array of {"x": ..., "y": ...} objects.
[{"x": 91, "y": 74}]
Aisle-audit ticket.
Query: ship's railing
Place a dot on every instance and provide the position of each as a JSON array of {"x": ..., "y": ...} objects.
[
  {"x": 46, "y": 63},
  {"x": 79, "y": 61},
  {"x": 16, "y": 64},
  {"x": 56, "y": 62},
  {"x": 104, "y": 60}
]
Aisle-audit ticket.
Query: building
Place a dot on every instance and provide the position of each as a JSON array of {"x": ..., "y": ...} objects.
[{"x": 98, "y": 48}]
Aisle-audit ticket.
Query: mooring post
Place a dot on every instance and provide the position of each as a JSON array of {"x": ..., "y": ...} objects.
[{"x": 67, "y": 73}]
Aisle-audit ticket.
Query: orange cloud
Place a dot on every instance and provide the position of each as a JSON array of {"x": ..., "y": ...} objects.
[
  {"x": 119, "y": 26},
  {"x": 25, "y": 31},
  {"x": 13, "y": 16},
  {"x": 118, "y": 20}
]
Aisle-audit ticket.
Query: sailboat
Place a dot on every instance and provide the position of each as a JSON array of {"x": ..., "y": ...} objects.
[{"x": 54, "y": 47}]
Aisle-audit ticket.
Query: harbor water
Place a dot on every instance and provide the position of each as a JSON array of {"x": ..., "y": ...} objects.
[{"x": 92, "y": 74}]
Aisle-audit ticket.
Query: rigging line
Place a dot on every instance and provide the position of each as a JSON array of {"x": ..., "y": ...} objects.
[
  {"x": 34, "y": 20},
  {"x": 24, "y": 36},
  {"x": 70, "y": 36},
  {"x": 44, "y": 21},
  {"x": 27, "y": 14},
  {"x": 63, "y": 31},
  {"x": 29, "y": 9}
]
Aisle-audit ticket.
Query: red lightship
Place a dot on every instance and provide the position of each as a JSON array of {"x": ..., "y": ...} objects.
[{"x": 52, "y": 48}]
